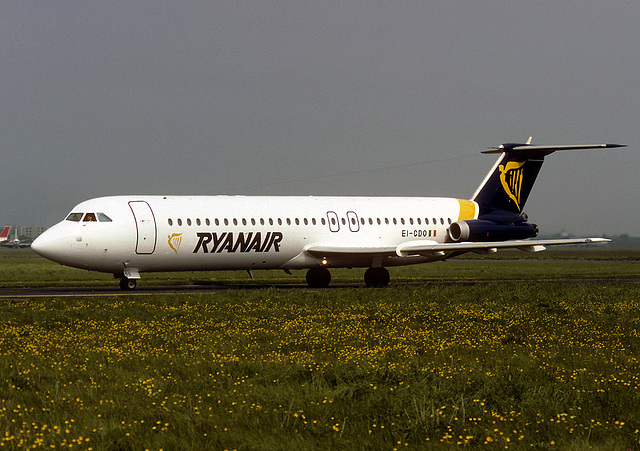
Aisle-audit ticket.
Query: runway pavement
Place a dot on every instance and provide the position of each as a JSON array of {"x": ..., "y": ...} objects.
[{"x": 53, "y": 292}]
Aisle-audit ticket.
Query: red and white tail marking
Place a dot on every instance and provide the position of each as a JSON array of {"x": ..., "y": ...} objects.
[{"x": 5, "y": 233}]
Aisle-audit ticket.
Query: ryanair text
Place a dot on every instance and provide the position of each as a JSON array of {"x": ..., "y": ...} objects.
[{"x": 240, "y": 242}]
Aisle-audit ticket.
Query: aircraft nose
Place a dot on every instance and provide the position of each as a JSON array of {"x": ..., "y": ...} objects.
[{"x": 48, "y": 245}]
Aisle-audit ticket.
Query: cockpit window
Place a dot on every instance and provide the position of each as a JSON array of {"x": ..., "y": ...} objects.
[{"x": 88, "y": 217}]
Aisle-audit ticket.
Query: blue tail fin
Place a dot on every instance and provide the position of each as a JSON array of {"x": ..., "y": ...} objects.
[{"x": 506, "y": 188}]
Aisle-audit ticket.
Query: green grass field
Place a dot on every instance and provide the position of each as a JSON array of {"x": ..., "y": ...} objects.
[{"x": 518, "y": 363}]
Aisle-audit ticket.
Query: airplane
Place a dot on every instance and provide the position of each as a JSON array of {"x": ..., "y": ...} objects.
[
  {"x": 15, "y": 242},
  {"x": 130, "y": 235},
  {"x": 4, "y": 235}
]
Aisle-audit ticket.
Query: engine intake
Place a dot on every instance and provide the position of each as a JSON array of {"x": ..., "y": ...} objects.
[{"x": 483, "y": 230}]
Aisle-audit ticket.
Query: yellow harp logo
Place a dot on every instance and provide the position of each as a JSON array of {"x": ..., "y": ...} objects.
[
  {"x": 174, "y": 241},
  {"x": 511, "y": 178}
]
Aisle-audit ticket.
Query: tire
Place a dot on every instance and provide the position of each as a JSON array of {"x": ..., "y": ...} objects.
[
  {"x": 376, "y": 277},
  {"x": 318, "y": 277},
  {"x": 128, "y": 284}
]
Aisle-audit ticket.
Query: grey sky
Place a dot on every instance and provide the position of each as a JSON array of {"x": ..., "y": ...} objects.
[{"x": 310, "y": 97}]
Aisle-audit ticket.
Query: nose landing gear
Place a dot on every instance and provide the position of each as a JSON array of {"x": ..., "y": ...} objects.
[
  {"x": 128, "y": 284},
  {"x": 128, "y": 278}
]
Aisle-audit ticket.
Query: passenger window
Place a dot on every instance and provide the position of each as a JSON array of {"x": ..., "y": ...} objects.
[
  {"x": 90, "y": 217},
  {"x": 188, "y": 221},
  {"x": 170, "y": 221},
  {"x": 75, "y": 217},
  {"x": 179, "y": 221},
  {"x": 411, "y": 221},
  {"x": 207, "y": 222},
  {"x": 198, "y": 221}
]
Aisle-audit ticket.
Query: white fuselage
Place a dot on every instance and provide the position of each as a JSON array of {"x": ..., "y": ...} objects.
[
  {"x": 127, "y": 235},
  {"x": 174, "y": 233}
]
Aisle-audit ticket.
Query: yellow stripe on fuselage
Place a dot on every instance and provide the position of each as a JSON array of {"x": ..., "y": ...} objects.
[{"x": 467, "y": 210}]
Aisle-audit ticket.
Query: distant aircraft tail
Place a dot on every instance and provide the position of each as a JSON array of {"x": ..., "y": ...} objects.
[
  {"x": 5, "y": 233},
  {"x": 506, "y": 188}
]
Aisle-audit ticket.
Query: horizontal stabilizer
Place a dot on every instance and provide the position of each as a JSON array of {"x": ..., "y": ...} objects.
[{"x": 548, "y": 149}]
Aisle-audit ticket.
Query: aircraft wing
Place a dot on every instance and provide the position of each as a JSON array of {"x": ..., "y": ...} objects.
[
  {"x": 351, "y": 252},
  {"x": 427, "y": 248}
]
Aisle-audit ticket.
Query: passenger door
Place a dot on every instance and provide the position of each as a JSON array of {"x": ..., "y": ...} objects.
[{"x": 145, "y": 226}]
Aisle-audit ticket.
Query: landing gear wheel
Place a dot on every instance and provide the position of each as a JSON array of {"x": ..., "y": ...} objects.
[
  {"x": 127, "y": 284},
  {"x": 318, "y": 277},
  {"x": 376, "y": 277}
]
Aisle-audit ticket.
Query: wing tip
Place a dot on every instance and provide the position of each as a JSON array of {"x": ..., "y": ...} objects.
[{"x": 597, "y": 240}]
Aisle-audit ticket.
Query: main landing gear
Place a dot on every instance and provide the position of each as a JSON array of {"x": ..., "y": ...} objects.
[
  {"x": 376, "y": 277},
  {"x": 320, "y": 277}
]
